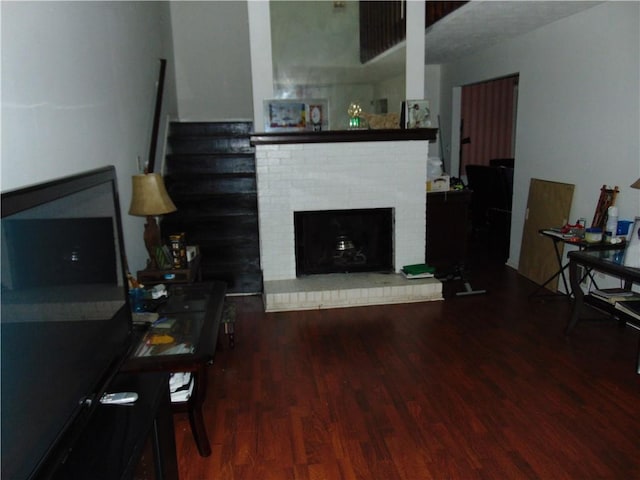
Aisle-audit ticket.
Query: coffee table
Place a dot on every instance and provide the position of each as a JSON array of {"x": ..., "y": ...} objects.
[{"x": 184, "y": 339}]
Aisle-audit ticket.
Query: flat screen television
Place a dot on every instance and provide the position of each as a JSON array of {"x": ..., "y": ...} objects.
[{"x": 65, "y": 319}]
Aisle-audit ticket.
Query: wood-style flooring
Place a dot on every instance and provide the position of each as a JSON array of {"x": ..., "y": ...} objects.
[{"x": 478, "y": 387}]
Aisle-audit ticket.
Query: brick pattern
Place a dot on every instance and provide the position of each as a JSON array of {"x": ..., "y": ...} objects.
[
  {"x": 353, "y": 290},
  {"x": 326, "y": 176}
]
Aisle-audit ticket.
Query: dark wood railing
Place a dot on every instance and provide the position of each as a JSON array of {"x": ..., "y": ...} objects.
[
  {"x": 435, "y": 11},
  {"x": 383, "y": 24},
  {"x": 156, "y": 117}
]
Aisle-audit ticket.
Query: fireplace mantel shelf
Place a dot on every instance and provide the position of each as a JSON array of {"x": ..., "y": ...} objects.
[{"x": 333, "y": 136}]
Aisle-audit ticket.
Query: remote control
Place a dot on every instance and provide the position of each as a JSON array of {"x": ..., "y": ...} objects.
[{"x": 119, "y": 398}]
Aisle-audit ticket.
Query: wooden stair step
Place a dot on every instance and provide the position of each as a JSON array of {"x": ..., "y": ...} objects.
[
  {"x": 221, "y": 163},
  {"x": 210, "y": 185},
  {"x": 237, "y": 282},
  {"x": 210, "y": 128},
  {"x": 213, "y": 208},
  {"x": 201, "y": 144}
]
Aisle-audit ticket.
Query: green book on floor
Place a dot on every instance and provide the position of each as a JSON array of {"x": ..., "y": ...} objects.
[{"x": 419, "y": 270}]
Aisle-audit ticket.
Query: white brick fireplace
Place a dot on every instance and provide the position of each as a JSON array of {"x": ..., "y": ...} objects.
[{"x": 332, "y": 176}]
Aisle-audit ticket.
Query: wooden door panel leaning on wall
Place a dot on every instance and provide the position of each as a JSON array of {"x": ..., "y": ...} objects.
[{"x": 548, "y": 205}]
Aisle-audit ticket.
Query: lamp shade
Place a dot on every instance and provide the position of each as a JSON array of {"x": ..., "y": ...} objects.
[
  {"x": 636, "y": 184},
  {"x": 150, "y": 196}
]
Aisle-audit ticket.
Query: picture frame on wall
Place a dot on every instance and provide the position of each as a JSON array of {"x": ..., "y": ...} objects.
[
  {"x": 417, "y": 114},
  {"x": 296, "y": 115}
]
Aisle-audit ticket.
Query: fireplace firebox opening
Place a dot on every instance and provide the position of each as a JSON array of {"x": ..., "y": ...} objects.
[{"x": 344, "y": 241}]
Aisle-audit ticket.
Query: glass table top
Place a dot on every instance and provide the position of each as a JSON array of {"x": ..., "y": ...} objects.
[
  {"x": 171, "y": 334},
  {"x": 619, "y": 260},
  {"x": 179, "y": 326}
]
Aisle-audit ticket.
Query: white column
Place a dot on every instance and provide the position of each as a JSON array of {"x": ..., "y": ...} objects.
[
  {"x": 261, "y": 59},
  {"x": 415, "y": 60}
]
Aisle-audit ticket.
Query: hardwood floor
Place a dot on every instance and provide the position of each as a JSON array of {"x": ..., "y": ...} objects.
[{"x": 477, "y": 387}]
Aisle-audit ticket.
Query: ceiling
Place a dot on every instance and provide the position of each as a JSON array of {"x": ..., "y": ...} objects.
[
  {"x": 482, "y": 23},
  {"x": 477, "y": 25}
]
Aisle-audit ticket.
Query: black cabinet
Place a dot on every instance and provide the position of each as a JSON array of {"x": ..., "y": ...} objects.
[
  {"x": 447, "y": 229},
  {"x": 127, "y": 441}
]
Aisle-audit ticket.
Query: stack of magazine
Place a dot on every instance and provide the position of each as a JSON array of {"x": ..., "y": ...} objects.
[
  {"x": 181, "y": 386},
  {"x": 630, "y": 307},
  {"x": 626, "y": 301},
  {"x": 420, "y": 270},
  {"x": 613, "y": 295}
]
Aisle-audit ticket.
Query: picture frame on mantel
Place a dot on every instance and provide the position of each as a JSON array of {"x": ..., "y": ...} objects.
[
  {"x": 296, "y": 115},
  {"x": 417, "y": 114}
]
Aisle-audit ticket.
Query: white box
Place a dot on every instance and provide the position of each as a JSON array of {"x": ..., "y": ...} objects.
[
  {"x": 192, "y": 252},
  {"x": 438, "y": 184}
]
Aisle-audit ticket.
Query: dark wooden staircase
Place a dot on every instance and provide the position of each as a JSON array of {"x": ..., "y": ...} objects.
[{"x": 210, "y": 174}]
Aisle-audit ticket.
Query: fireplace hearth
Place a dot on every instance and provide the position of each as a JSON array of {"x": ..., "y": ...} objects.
[{"x": 344, "y": 241}]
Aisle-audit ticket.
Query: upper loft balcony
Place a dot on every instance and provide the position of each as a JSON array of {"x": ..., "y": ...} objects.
[{"x": 383, "y": 24}]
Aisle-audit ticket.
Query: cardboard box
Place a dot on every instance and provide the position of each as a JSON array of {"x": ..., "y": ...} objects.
[{"x": 438, "y": 184}]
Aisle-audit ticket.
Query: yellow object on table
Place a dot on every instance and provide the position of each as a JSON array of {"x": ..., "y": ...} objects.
[{"x": 160, "y": 339}]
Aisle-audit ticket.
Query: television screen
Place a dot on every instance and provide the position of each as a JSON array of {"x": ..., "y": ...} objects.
[{"x": 65, "y": 319}]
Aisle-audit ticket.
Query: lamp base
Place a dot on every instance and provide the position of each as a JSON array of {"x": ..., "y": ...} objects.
[{"x": 152, "y": 241}]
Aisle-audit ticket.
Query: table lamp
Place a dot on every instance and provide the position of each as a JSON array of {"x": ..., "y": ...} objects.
[{"x": 150, "y": 198}]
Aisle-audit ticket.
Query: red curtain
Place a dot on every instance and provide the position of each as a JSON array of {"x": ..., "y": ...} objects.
[{"x": 487, "y": 121}]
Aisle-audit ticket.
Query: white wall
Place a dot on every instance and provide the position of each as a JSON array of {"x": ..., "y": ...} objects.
[
  {"x": 314, "y": 34},
  {"x": 393, "y": 90},
  {"x": 78, "y": 92},
  {"x": 578, "y": 106},
  {"x": 213, "y": 64}
]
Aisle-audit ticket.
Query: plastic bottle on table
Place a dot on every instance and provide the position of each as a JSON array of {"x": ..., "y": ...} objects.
[{"x": 611, "y": 228}]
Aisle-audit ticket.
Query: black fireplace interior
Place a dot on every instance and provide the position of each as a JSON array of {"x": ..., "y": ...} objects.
[{"x": 344, "y": 241}]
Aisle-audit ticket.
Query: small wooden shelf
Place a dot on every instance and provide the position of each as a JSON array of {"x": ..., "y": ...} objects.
[{"x": 172, "y": 275}]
